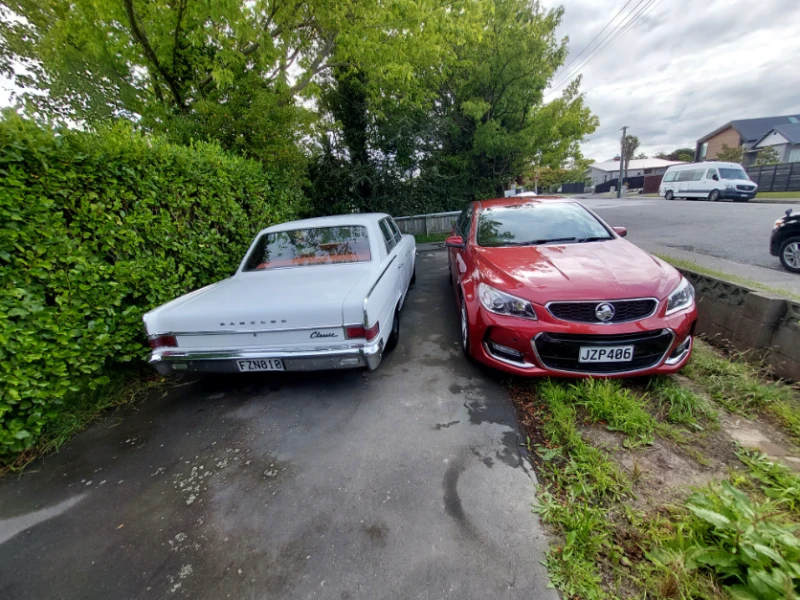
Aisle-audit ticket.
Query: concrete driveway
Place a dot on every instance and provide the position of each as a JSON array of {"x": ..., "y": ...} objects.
[{"x": 402, "y": 483}]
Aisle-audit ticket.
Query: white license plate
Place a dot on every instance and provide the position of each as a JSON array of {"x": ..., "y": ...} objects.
[
  {"x": 261, "y": 364},
  {"x": 593, "y": 354}
]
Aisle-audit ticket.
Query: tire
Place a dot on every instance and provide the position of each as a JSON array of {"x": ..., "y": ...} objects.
[
  {"x": 465, "y": 343},
  {"x": 790, "y": 254},
  {"x": 394, "y": 336},
  {"x": 669, "y": 195},
  {"x": 713, "y": 196},
  {"x": 413, "y": 277}
]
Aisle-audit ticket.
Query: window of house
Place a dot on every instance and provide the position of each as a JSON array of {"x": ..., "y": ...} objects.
[
  {"x": 793, "y": 120},
  {"x": 703, "y": 150},
  {"x": 794, "y": 155}
]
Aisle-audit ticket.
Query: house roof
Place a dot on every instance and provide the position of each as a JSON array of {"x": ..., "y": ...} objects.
[
  {"x": 790, "y": 132},
  {"x": 751, "y": 130},
  {"x": 635, "y": 164}
]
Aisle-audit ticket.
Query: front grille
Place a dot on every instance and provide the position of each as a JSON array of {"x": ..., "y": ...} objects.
[
  {"x": 559, "y": 351},
  {"x": 745, "y": 188},
  {"x": 584, "y": 312}
]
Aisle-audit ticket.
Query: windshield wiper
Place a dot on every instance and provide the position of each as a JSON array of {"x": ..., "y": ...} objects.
[
  {"x": 596, "y": 238},
  {"x": 545, "y": 241}
]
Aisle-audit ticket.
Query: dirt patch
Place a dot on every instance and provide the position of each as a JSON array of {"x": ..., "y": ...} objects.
[{"x": 761, "y": 436}]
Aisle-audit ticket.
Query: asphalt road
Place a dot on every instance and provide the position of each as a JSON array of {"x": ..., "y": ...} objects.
[
  {"x": 402, "y": 483},
  {"x": 734, "y": 231}
]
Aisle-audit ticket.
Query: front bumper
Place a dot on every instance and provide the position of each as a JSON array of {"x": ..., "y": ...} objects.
[
  {"x": 549, "y": 347},
  {"x": 737, "y": 195},
  {"x": 170, "y": 360}
]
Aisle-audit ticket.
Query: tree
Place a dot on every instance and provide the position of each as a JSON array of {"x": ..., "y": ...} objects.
[
  {"x": 728, "y": 154},
  {"x": 640, "y": 156},
  {"x": 767, "y": 156},
  {"x": 631, "y": 145},
  {"x": 229, "y": 71}
]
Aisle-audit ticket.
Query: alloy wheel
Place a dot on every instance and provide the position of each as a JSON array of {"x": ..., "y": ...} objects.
[
  {"x": 464, "y": 327},
  {"x": 791, "y": 255}
]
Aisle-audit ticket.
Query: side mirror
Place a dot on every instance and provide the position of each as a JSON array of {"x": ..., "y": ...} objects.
[
  {"x": 715, "y": 177},
  {"x": 620, "y": 231},
  {"x": 454, "y": 241}
]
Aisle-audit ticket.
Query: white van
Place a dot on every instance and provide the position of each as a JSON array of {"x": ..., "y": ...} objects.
[{"x": 711, "y": 180}]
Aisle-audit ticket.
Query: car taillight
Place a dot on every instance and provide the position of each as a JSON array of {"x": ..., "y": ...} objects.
[
  {"x": 359, "y": 332},
  {"x": 163, "y": 341}
]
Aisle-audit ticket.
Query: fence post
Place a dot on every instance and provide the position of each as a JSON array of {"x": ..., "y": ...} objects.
[
  {"x": 426, "y": 225},
  {"x": 789, "y": 177}
]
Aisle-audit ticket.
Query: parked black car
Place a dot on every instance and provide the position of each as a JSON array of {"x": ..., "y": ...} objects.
[{"x": 785, "y": 241}]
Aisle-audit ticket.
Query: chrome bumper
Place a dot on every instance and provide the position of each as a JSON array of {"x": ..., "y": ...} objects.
[{"x": 170, "y": 360}]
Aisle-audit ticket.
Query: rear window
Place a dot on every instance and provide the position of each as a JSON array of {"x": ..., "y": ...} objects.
[
  {"x": 538, "y": 223},
  {"x": 314, "y": 246},
  {"x": 670, "y": 176}
]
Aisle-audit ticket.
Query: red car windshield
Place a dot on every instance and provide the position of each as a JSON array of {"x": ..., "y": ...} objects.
[
  {"x": 536, "y": 223},
  {"x": 314, "y": 246}
]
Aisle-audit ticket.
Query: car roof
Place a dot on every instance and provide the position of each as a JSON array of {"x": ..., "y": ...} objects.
[
  {"x": 708, "y": 164},
  {"x": 331, "y": 221},
  {"x": 519, "y": 200}
]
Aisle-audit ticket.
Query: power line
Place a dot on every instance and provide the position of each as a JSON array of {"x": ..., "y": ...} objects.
[
  {"x": 636, "y": 15},
  {"x": 585, "y": 48},
  {"x": 602, "y": 41}
]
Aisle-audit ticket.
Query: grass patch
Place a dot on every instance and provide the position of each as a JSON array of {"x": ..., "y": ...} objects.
[
  {"x": 430, "y": 238},
  {"x": 731, "y": 539},
  {"x": 768, "y": 195},
  {"x": 77, "y": 412},
  {"x": 741, "y": 387},
  {"x": 680, "y": 263}
]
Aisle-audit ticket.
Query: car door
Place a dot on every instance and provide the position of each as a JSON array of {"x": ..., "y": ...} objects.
[
  {"x": 458, "y": 256},
  {"x": 709, "y": 183},
  {"x": 404, "y": 248}
]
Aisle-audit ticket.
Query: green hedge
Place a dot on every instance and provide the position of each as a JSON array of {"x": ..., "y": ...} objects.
[{"x": 96, "y": 229}]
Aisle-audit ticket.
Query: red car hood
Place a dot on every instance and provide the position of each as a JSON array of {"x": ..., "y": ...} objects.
[{"x": 591, "y": 271}]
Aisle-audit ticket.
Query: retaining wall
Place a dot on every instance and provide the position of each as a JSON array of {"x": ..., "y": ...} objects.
[{"x": 765, "y": 326}]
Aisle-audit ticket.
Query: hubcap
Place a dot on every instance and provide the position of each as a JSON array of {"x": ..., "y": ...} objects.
[
  {"x": 791, "y": 254},
  {"x": 464, "y": 326}
]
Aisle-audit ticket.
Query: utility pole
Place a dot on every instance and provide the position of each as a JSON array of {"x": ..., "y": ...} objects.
[{"x": 621, "y": 161}]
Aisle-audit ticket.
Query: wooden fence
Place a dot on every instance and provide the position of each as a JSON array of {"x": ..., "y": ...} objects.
[
  {"x": 783, "y": 177},
  {"x": 425, "y": 224}
]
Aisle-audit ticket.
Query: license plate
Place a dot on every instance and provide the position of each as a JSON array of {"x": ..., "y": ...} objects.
[
  {"x": 593, "y": 354},
  {"x": 261, "y": 364}
]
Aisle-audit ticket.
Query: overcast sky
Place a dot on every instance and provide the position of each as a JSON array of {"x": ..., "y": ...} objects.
[{"x": 687, "y": 67}]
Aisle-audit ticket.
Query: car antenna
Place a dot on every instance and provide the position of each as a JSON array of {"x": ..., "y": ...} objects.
[{"x": 788, "y": 212}]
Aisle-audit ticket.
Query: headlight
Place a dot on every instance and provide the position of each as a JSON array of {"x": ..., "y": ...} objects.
[
  {"x": 682, "y": 297},
  {"x": 778, "y": 223},
  {"x": 504, "y": 304},
  {"x": 728, "y": 186}
]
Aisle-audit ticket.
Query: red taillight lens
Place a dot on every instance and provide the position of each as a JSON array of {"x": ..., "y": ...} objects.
[
  {"x": 359, "y": 332},
  {"x": 163, "y": 341}
]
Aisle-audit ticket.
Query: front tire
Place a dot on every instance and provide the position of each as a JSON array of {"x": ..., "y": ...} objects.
[
  {"x": 465, "y": 341},
  {"x": 669, "y": 196},
  {"x": 790, "y": 254},
  {"x": 413, "y": 277},
  {"x": 713, "y": 196}
]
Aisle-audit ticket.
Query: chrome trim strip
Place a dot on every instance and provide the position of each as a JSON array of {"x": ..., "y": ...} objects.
[
  {"x": 372, "y": 289},
  {"x": 231, "y": 331},
  {"x": 655, "y": 310},
  {"x": 589, "y": 374},
  {"x": 519, "y": 365}
]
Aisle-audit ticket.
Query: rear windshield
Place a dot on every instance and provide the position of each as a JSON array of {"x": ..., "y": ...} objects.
[
  {"x": 732, "y": 174},
  {"x": 303, "y": 247},
  {"x": 538, "y": 223}
]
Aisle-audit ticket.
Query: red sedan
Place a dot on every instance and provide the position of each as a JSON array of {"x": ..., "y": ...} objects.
[{"x": 546, "y": 288}]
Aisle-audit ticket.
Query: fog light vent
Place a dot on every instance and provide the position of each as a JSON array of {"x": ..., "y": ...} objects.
[{"x": 500, "y": 351}]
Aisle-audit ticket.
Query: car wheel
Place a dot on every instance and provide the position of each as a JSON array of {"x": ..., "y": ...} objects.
[
  {"x": 669, "y": 195},
  {"x": 464, "y": 327},
  {"x": 790, "y": 254},
  {"x": 713, "y": 196},
  {"x": 413, "y": 277},
  {"x": 394, "y": 336}
]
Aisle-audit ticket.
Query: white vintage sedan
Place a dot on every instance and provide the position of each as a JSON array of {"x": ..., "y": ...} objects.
[{"x": 315, "y": 294}]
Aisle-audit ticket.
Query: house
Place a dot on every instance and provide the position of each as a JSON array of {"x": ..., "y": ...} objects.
[
  {"x": 746, "y": 133},
  {"x": 785, "y": 139},
  {"x": 606, "y": 171}
]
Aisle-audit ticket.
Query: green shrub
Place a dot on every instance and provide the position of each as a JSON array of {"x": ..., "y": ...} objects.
[{"x": 96, "y": 228}]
